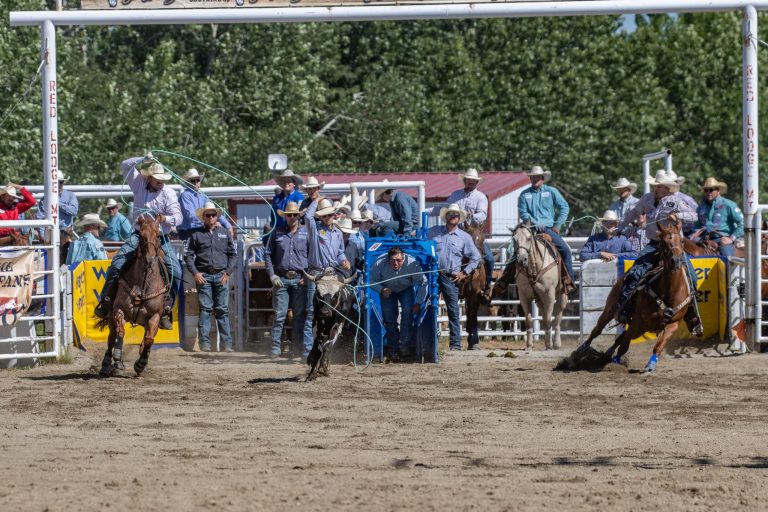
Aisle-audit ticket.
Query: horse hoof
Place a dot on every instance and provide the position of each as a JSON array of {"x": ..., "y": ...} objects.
[
  {"x": 139, "y": 366},
  {"x": 583, "y": 347},
  {"x": 106, "y": 370}
]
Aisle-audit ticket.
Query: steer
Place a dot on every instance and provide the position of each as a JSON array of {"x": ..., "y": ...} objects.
[{"x": 332, "y": 302}]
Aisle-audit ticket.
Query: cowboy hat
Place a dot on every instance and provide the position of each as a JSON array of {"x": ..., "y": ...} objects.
[
  {"x": 368, "y": 217},
  {"x": 663, "y": 178},
  {"x": 625, "y": 183},
  {"x": 345, "y": 225},
  {"x": 324, "y": 207},
  {"x": 63, "y": 177},
  {"x": 312, "y": 183},
  {"x": 455, "y": 209},
  {"x": 192, "y": 173},
  {"x": 208, "y": 206},
  {"x": 609, "y": 215},
  {"x": 712, "y": 182},
  {"x": 155, "y": 170},
  {"x": 356, "y": 216},
  {"x": 111, "y": 203},
  {"x": 289, "y": 175},
  {"x": 11, "y": 191},
  {"x": 536, "y": 170},
  {"x": 470, "y": 175},
  {"x": 90, "y": 219},
  {"x": 379, "y": 191},
  {"x": 291, "y": 207},
  {"x": 679, "y": 179}
]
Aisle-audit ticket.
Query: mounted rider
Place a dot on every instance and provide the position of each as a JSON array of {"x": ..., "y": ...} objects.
[
  {"x": 720, "y": 219},
  {"x": 537, "y": 205},
  {"x": 146, "y": 178},
  {"x": 658, "y": 205}
]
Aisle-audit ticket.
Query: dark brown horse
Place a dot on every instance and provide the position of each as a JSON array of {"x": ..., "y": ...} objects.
[
  {"x": 471, "y": 290},
  {"x": 660, "y": 306},
  {"x": 139, "y": 300}
]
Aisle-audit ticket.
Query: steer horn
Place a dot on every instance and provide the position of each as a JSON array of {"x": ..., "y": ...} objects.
[
  {"x": 350, "y": 278},
  {"x": 311, "y": 278}
]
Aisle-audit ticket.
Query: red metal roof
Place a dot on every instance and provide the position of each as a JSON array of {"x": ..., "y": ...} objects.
[{"x": 439, "y": 185}]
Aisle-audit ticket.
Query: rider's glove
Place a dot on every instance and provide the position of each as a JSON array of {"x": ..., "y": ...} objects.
[
  {"x": 276, "y": 281},
  {"x": 541, "y": 227}
]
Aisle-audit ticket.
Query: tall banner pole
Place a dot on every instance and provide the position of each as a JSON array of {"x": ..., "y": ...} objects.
[
  {"x": 51, "y": 167},
  {"x": 751, "y": 198}
]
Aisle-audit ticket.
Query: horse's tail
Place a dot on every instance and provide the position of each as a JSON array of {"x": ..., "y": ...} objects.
[{"x": 102, "y": 323}]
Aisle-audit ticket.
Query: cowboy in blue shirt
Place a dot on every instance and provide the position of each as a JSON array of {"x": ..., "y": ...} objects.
[
  {"x": 88, "y": 247},
  {"x": 118, "y": 226},
  {"x": 190, "y": 200},
  {"x": 288, "y": 182},
  {"x": 606, "y": 245},
  {"x": 405, "y": 212},
  {"x": 719, "y": 218},
  {"x": 538, "y": 204}
]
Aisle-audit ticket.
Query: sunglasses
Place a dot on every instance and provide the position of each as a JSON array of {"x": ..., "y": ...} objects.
[
  {"x": 195, "y": 180},
  {"x": 452, "y": 215},
  {"x": 209, "y": 215},
  {"x": 710, "y": 189},
  {"x": 291, "y": 214}
]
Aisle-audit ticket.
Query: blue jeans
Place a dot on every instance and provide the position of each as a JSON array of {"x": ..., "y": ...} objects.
[
  {"x": 309, "y": 337},
  {"x": 563, "y": 249},
  {"x": 646, "y": 260},
  {"x": 125, "y": 255},
  {"x": 389, "y": 310},
  {"x": 489, "y": 263},
  {"x": 293, "y": 295},
  {"x": 451, "y": 297},
  {"x": 213, "y": 297}
]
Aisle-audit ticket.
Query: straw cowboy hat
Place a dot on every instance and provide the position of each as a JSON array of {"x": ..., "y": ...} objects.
[
  {"x": 624, "y": 183},
  {"x": 191, "y": 174},
  {"x": 536, "y": 170},
  {"x": 368, "y": 217},
  {"x": 111, "y": 203},
  {"x": 291, "y": 207},
  {"x": 610, "y": 216},
  {"x": 679, "y": 179},
  {"x": 325, "y": 207},
  {"x": 379, "y": 191},
  {"x": 11, "y": 191},
  {"x": 155, "y": 170},
  {"x": 312, "y": 183},
  {"x": 345, "y": 225},
  {"x": 470, "y": 175},
  {"x": 662, "y": 178},
  {"x": 63, "y": 177},
  {"x": 712, "y": 182},
  {"x": 289, "y": 175},
  {"x": 453, "y": 208},
  {"x": 356, "y": 216},
  {"x": 208, "y": 206},
  {"x": 90, "y": 219}
]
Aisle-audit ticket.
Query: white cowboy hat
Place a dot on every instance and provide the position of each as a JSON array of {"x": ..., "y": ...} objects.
[
  {"x": 289, "y": 175},
  {"x": 625, "y": 183},
  {"x": 662, "y": 178},
  {"x": 63, "y": 177},
  {"x": 712, "y": 182},
  {"x": 379, "y": 191},
  {"x": 356, "y": 216},
  {"x": 345, "y": 225},
  {"x": 90, "y": 219},
  {"x": 208, "y": 206},
  {"x": 324, "y": 207},
  {"x": 192, "y": 173},
  {"x": 536, "y": 170},
  {"x": 312, "y": 183},
  {"x": 291, "y": 207},
  {"x": 155, "y": 170},
  {"x": 471, "y": 174},
  {"x": 455, "y": 209},
  {"x": 368, "y": 217},
  {"x": 111, "y": 203},
  {"x": 11, "y": 191},
  {"x": 609, "y": 215},
  {"x": 679, "y": 179}
]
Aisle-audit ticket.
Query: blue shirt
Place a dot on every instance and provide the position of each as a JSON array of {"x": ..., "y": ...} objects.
[
  {"x": 86, "y": 248},
  {"x": 380, "y": 213},
  {"x": 597, "y": 243},
  {"x": 405, "y": 211},
  {"x": 410, "y": 274},
  {"x": 475, "y": 203},
  {"x": 452, "y": 247},
  {"x": 118, "y": 228},
  {"x": 538, "y": 206},
  {"x": 287, "y": 251},
  {"x": 722, "y": 216},
  {"x": 68, "y": 207},
  {"x": 280, "y": 202},
  {"x": 622, "y": 206},
  {"x": 326, "y": 244},
  {"x": 190, "y": 200}
]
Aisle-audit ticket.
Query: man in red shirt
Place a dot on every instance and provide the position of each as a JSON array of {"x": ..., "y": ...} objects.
[{"x": 12, "y": 204}]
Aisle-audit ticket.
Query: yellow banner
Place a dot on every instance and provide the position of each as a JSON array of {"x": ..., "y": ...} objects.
[
  {"x": 711, "y": 296},
  {"x": 236, "y": 4},
  {"x": 88, "y": 279}
]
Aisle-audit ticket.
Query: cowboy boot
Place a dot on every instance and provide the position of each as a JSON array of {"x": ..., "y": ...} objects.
[
  {"x": 693, "y": 320},
  {"x": 104, "y": 307}
]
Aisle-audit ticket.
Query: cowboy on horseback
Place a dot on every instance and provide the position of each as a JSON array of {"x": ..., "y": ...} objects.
[
  {"x": 11, "y": 206},
  {"x": 658, "y": 205},
  {"x": 146, "y": 178},
  {"x": 719, "y": 219}
]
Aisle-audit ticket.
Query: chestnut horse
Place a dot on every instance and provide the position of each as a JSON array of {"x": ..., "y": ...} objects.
[
  {"x": 471, "y": 290},
  {"x": 140, "y": 298},
  {"x": 661, "y": 303}
]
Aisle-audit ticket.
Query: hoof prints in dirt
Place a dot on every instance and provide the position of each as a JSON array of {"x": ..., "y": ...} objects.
[{"x": 589, "y": 360}]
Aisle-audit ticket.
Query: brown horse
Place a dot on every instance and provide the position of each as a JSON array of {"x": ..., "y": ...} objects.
[
  {"x": 661, "y": 303},
  {"x": 140, "y": 299},
  {"x": 471, "y": 290}
]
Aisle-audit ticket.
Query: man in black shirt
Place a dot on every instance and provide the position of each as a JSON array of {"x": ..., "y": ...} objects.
[{"x": 210, "y": 256}]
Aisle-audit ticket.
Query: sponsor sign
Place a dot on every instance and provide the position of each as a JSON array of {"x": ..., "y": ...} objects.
[{"x": 15, "y": 284}]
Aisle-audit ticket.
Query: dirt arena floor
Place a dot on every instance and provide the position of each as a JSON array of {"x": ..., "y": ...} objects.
[{"x": 241, "y": 432}]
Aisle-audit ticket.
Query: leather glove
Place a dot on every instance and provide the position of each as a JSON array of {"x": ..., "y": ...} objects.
[{"x": 276, "y": 281}]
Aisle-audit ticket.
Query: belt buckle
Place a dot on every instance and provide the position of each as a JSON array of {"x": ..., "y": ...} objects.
[{"x": 291, "y": 274}]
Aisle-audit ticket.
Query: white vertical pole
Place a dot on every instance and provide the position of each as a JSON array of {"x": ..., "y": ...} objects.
[
  {"x": 51, "y": 166},
  {"x": 668, "y": 161},
  {"x": 751, "y": 199},
  {"x": 646, "y": 175},
  {"x": 422, "y": 201}
]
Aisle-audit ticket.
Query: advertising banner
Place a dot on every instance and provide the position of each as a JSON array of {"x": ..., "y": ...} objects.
[{"x": 15, "y": 284}]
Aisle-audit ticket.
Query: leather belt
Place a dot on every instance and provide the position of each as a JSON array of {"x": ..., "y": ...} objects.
[
  {"x": 288, "y": 274},
  {"x": 210, "y": 270}
]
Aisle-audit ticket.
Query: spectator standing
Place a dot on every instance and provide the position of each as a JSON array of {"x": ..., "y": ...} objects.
[
  {"x": 118, "y": 225},
  {"x": 191, "y": 199},
  {"x": 88, "y": 247},
  {"x": 312, "y": 189},
  {"x": 14, "y": 201},
  {"x": 68, "y": 206},
  {"x": 607, "y": 245},
  {"x": 352, "y": 251},
  {"x": 288, "y": 183},
  {"x": 625, "y": 190},
  {"x": 719, "y": 218},
  {"x": 210, "y": 256}
]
